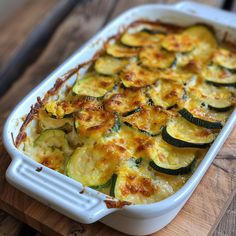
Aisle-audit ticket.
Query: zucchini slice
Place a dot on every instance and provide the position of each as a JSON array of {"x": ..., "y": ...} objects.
[
  {"x": 95, "y": 123},
  {"x": 149, "y": 120},
  {"x": 136, "y": 76},
  {"x": 142, "y": 185},
  {"x": 156, "y": 57},
  {"x": 93, "y": 165},
  {"x": 181, "y": 133},
  {"x": 140, "y": 39},
  {"x": 225, "y": 58},
  {"x": 125, "y": 100},
  {"x": 166, "y": 93},
  {"x": 173, "y": 160},
  {"x": 59, "y": 109},
  {"x": 138, "y": 144},
  {"x": 178, "y": 43},
  {"x": 217, "y": 98},
  {"x": 178, "y": 75},
  {"x": 109, "y": 65},
  {"x": 94, "y": 85},
  {"x": 53, "y": 138},
  {"x": 205, "y": 44},
  {"x": 47, "y": 122},
  {"x": 120, "y": 51},
  {"x": 219, "y": 76},
  {"x": 200, "y": 115},
  {"x": 202, "y": 34}
]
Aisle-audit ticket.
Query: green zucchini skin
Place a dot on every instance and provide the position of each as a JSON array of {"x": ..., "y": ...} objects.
[
  {"x": 182, "y": 170},
  {"x": 113, "y": 184},
  {"x": 218, "y": 109},
  {"x": 221, "y": 84},
  {"x": 99, "y": 187},
  {"x": 180, "y": 143},
  {"x": 199, "y": 122},
  {"x": 117, "y": 125},
  {"x": 142, "y": 131},
  {"x": 128, "y": 113}
]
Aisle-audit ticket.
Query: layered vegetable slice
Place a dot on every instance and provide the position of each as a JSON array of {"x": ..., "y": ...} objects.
[
  {"x": 178, "y": 43},
  {"x": 94, "y": 85},
  {"x": 94, "y": 165},
  {"x": 181, "y": 133},
  {"x": 48, "y": 122},
  {"x": 108, "y": 65},
  {"x": 59, "y": 109},
  {"x": 148, "y": 120},
  {"x": 173, "y": 160},
  {"x": 52, "y": 148},
  {"x": 219, "y": 76},
  {"x": 166, "y": 93},
  {"x": 201, "y": 115},
  {"x": 120, "y": 51},
  {"x": 156, "y": 57},
  {"x": 53, "y": 138},
  {"x": 95, "y": 123},
  {"x": 141, "y": 186},
  {"x": 140, "y": 39},
  {"x": 217, "y": 98},
  {"x": 125, "y": 100},
  {"x": 136, "y": 76},
  {"x": 205, "y": 44},
  {"x": 225, "y": 58}
]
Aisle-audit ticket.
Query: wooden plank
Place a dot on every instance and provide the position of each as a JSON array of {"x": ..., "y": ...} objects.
[
  {"x": 9, "y": 226},
  {"x": 17, "y": 28},
  {"x": 34, "y": 44},
  {"x": 196, "y": 213}
]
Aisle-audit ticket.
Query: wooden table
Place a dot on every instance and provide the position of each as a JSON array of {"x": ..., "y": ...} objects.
[{"x": 209, "y": 202}]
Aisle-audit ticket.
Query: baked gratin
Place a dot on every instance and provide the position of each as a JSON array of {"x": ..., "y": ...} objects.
[{"x": 138, "y": 122}]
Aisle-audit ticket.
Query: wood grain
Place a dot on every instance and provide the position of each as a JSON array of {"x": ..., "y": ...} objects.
[
  {"x": 9, "y": 226},
  {"x": 17, "y": 28},
  {"x": 200, "y": 213}
]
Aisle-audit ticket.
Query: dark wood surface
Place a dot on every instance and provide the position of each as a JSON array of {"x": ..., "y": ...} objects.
[{"x": 85, "y": 20}]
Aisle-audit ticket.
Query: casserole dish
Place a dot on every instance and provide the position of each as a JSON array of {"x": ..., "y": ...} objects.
[{"x": 84, "y": 204}]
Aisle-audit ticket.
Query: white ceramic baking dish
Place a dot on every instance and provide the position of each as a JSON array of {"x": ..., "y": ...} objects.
[{"x": 64, "y": 194}]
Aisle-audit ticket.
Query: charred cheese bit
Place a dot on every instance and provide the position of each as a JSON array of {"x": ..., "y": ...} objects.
[
  {"x": 178, "y": 43},
  {"x": 156, "y": 57},
  {"x": 109, "y": 65},
  {"x": 219, "y": 76},
  {"x": 137, "y": 76},
  {"x": 181, "y": 129},
  {"x": 166, "y": 93},
  {"x": 140, "y": 39},
  {"x": 148, "y": 119},
  {"x": 94, "y": 123},
  {"x": 120, "y": 51},
  {"x": 59, "y": 109},
  {"x": 225, "y": 58},
  {"x": 125, "y": 100},
  {"x": 94, "y": 164},
  {"x": 93, "y": 85}
]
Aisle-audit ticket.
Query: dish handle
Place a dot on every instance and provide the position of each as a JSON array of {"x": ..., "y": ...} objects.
[
  {"x": 202, "y": 10},
  {"x": 58, "y": 191}
]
